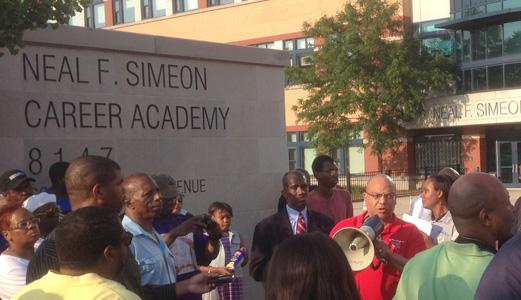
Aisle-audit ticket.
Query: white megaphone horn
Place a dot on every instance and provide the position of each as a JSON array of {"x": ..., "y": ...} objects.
[{"x": 357, "y": 244}]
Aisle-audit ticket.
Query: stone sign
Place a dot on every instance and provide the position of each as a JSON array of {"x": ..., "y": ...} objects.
[
  {"x": 210, "y": 115},
  {"x": 499, "y": 107}
]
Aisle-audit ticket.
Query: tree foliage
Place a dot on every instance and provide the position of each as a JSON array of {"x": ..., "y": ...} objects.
[
  {"x": 369, "y": 73},
  {"x": 16, "y": 16}
]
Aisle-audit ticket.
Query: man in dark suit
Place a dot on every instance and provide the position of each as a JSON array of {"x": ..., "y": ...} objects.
[{"x": 294, "y": 219}]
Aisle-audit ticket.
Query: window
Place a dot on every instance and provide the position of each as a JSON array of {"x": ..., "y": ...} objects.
[
  {"x": 153, "y": 8},
  {"x": 123, "y": 11},
  {"x": 458, "y": 45},
  {"x": 218, "y": 2},
  {"x": 301, "y": 154},
  {"x": 479, "y": 79},
  {"x": 442, "y": 45},
  {"x": 494, "y": 41},
  {"x": 292, "y": 153},
  {"x": 513, "y": 38},
  {"x": 478, "y": 44},
  {"x": 74, "y": 20},
  {"x": 266, "y": 45},
  {"x": 513, "y": 75},
  {"x": 467, "y": 77},
  {"x": 95, "y": 15},
  {"x": 438, "y": 151},
  {"x": 300, "y": 51},
  {"x": 465, "y": 8},
  {"x": 185, "y": 5},
  {"x": 466, "y": 46},
  {"x": 495, "y": 77}
]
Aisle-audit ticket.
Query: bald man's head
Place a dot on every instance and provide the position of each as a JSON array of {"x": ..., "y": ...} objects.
[
  {"x": 481, "y": 203},
  {"x": 380, "y": 197}
]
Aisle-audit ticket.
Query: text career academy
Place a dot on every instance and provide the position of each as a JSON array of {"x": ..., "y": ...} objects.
[
  {"x": 104, "y": 114},
  {"x": 66, "y": 114}
]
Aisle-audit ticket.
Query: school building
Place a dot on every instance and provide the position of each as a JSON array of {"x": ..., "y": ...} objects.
[{"x": 476, "y": 127}]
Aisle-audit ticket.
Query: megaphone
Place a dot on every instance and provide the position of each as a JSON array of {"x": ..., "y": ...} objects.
[{"x": 357, "y": 244}]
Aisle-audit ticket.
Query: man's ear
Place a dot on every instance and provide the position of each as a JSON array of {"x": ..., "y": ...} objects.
[
  {"x": 96, "y": 192},
  {"x": 283, "y": 192},
  {"x": 110, "y": 253},
  {"x": 485, "y": 217}
]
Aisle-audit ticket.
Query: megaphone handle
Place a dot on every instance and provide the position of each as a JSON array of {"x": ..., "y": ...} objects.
[{"x": 380, "y": 261}]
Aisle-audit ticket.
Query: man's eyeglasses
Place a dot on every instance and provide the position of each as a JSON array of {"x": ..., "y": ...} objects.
[
  {"x": 332, "y": 172},
  {"x": 376, "y": 196},
  {"x": 51, "y": 212},
  {"x": 127, "y": 238},
  {"x": 24, "y": 225}
]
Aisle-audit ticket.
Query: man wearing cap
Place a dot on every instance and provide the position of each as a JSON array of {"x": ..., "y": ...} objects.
[
  {"x": 44, "y": 207},
  {"x": 16, "y": 187},
  {"x": 183, "y": 235}
]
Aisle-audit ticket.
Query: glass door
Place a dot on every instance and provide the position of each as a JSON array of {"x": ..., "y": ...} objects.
[{"x": 508, "y": 163}]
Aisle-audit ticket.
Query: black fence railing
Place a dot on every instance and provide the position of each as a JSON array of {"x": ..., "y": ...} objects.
[{"x": 408, "y": 181}]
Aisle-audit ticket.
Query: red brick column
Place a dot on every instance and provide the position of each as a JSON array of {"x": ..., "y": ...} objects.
[{"x": 109, "y": 13}]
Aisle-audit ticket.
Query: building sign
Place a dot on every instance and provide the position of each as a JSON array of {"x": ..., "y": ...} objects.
[
  {"x": 209, "y": 115},
  {"x": 499, "y": 107}
]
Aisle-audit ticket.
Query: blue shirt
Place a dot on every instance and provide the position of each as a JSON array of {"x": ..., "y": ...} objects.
[{"x": 155, "y": 260}]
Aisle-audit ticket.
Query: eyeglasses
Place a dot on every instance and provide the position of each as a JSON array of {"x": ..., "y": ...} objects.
[
  {"x": 51, "y": 212},
  {"x": 25, "y": 224},
  {"x": 332, "y": 172},
  {"x": 127, "y": 238},
  {"x": 376, "y": 196}
]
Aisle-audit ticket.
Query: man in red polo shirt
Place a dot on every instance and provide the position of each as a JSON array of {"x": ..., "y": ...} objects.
[{"x": 401, "y": 240}]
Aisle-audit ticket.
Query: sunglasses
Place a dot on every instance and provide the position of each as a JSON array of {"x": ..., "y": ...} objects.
[
  {"x": 24, "y": 225},
  {"x": 51, "y": 212}
]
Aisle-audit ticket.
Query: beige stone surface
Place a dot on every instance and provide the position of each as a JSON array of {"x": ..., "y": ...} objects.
[{"x": 211, "y": 115}]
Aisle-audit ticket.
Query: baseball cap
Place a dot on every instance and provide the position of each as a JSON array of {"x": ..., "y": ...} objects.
[
  {"x": 11, "y": 179},
  {"x": 167, "y": 186},
  {"x": 36, "y": 201}
]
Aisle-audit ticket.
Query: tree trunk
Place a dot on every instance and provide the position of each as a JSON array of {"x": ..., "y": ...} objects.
[{"x": 380, "y": 163}]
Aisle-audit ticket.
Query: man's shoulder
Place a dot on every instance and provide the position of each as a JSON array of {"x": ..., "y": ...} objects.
[
  {"x": 275, "y": 218},
  {"x": 98, "y": 287},
  {"x": 355, "y": 222},
  {"x": 116, "y": 290},
  {"x": 320, "y": 216},
  {"x": 399, "y": 223},
  {"x": 341, "y": 192},
  {"x": 511, "y": 249},
  {"x": 131, "y": 226},
  {"x": 402, "y": 228}
]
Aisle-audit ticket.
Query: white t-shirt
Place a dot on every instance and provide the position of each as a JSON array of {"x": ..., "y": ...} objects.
[{"x": 12, "y": 275}]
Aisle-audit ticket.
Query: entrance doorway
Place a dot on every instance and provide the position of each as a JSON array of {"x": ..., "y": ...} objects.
[{"x": 508, "y": 163}]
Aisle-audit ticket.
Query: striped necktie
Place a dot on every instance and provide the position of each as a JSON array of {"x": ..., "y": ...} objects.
[{"x": 301, "y": 225}]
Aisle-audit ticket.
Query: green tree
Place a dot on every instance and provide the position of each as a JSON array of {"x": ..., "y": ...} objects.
[
  {"x": 368, "y": 73},
  {"x": 16, "y": 16}
]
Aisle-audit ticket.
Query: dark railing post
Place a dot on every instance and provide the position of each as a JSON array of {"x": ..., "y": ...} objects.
[{"x": 348, "y": 179}]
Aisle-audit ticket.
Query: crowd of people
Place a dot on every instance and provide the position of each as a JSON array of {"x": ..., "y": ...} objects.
[{"x": 97, "y": 234}]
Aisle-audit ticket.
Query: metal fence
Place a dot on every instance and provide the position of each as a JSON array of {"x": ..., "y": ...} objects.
[{"x": 408, "y": 181}]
